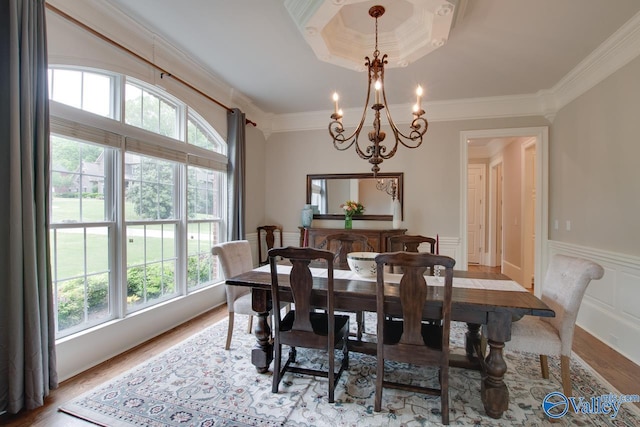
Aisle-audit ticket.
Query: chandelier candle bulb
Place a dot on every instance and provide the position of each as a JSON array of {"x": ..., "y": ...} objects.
[
  {"x": 378, "y": 86},
  {"x": 335, "y": 101}
]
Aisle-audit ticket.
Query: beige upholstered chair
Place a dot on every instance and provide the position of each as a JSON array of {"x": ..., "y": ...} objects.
[
  {"x": 563, "y": 288},
  {"x": 235, "y": 258}
]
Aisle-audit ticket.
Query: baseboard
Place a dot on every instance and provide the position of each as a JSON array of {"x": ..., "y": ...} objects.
[
  {"x": 609, "y": 309},
  {"x": 513, "y": 271}
]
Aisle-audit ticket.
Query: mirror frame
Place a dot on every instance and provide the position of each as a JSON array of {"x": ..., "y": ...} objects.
[{"x": 400, "y": 193}]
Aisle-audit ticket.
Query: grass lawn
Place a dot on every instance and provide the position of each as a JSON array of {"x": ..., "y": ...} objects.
[{"x": 70, "y": 243}]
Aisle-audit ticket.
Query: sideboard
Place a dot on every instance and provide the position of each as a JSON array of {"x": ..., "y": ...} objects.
[{"x": 377, "y": 238}]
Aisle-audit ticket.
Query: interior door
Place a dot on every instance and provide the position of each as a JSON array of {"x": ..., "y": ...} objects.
[
  {"x": 499, "y": 187},
  {"x": 529, "y": 220},
  {"x": 475, "y": 212}
]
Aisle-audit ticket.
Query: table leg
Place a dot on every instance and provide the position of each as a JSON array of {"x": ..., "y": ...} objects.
[
  {"x": 472, "y": 341},
  {"x": 495, "y": 394},
  {"x": 262, "y": 354}
]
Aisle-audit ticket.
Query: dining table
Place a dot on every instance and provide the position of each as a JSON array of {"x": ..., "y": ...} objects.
[{"x": 484, "y": 301}]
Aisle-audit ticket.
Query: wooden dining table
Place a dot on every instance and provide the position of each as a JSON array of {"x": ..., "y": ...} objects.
[{"x": 496, "y": 309}]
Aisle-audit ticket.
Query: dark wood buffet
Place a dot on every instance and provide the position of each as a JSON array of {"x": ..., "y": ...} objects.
[{"x": 378, "y": 238}]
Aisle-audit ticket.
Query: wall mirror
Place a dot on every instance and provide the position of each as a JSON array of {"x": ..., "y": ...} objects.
[{"x": 326, "y": 192}]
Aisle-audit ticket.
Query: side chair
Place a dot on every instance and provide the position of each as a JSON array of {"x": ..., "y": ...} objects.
[
  {"x": 563, "y": 288},
  {"x": 269, "y": 232},
  {"x": 235, "y": 258},
  {"x": 410, "y": 243},
  {"x": 341, "y": 244},
  {"x": 303, "y": 326},
  {"x": 403, "y": 336}
]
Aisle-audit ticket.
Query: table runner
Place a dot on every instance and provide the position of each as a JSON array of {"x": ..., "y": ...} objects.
[{"x": 460, "y": 282}]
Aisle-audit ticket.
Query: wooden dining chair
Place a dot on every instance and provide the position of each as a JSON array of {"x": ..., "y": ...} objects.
[
  {"x": 410, "y": 243},
  {"x": 563, "y": 287},
  {"x": 402, "y": 335},
  {"x": 303, "y": 326},
  {"x": 341, "y": 244},
  {"x": 269, "y": 232}
]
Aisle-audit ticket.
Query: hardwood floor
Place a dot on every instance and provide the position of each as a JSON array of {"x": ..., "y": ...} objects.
[
  {"x": 48, "y": 415},
  {"x": 615, "y": 368}
]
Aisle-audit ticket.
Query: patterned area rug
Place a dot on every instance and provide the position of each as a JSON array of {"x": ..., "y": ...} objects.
[{"x": 198, "y": 383}]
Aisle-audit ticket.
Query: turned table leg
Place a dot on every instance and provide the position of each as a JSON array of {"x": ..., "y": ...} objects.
[
  {"x": 262, "y": 353},
  {"x": 495, "y": 394}
]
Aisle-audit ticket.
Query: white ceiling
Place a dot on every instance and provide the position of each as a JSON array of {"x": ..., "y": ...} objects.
[{"x": 495, "y": 48}]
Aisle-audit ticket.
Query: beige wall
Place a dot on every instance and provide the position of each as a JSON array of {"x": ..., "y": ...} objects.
[
  {"x": 431, "y": 173},
  {"x": 594, "y": 166}
]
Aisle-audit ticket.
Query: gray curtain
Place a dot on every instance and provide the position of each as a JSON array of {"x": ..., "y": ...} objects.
[
  {"x": 27, "y": 332},
  {"x": 236, "y": 145}
]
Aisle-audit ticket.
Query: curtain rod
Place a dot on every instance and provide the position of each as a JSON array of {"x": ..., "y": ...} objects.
[{"x": 163, "y": 72}]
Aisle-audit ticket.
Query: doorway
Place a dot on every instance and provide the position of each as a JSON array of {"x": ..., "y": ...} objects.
[
  {"x": 528, "y": 213},
  {"x": 475, "y": 212},
  {"x": 495, "y": 225},
  {"x": 529, "y": 220}
]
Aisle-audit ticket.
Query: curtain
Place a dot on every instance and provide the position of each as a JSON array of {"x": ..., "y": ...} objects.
[
  {"x": 27, "y": 332},
  {"x": 236, "y": 151}
]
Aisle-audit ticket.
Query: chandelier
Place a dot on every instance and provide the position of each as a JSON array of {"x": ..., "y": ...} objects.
[{"x": 376, "y": 153}]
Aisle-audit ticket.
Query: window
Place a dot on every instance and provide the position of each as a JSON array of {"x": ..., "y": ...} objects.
[
  {"x": 81, "y": 229},
  {"x": 151, "y": 223},
  {"x": 200, "y": 136},
  {"x": 86, "y": 90},
  {"x": 149, "y": 110},
  {"x": 132, "y": 218},
  {"x": 205, "y": 212}
]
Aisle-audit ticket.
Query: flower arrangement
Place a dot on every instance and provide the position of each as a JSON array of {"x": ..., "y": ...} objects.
[{"x": 352, "y": 208}]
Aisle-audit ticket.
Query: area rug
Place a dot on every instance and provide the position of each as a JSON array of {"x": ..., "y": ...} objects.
[{"x": 198, "y": 383}]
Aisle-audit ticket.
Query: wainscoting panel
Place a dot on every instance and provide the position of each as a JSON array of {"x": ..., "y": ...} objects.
[{"x": 610, "y": 309}]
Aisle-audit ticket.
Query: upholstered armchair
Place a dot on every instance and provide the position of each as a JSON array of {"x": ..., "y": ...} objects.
[{"x": 564, "y": 286}]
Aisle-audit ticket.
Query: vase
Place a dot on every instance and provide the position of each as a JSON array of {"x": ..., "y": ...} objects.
[
  {"x": 348, "y": 222},
  {"x": 397, "y": 214},
  {"x": 306, "y": 216}
]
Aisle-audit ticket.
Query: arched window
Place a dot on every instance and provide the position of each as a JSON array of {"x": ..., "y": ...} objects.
[{"x": 138, "y": 193}]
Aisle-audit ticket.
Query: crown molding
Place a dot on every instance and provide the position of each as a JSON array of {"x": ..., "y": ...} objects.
[{"x": 614, "y": 53}]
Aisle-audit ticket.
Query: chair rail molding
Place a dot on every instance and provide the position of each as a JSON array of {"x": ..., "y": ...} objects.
[{"x": 609, "y": 310}]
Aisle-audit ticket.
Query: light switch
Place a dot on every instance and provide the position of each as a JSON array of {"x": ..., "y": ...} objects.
[
  {"x": 556, "y": 224},
  {"x": 568, "y": 225}
]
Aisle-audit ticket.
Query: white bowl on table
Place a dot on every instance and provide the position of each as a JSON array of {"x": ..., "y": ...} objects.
[{"x": 362, "y": 263}]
